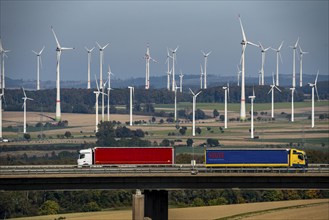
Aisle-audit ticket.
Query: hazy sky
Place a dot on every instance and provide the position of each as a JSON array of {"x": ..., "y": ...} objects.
[{"x": 129, "y": 25}]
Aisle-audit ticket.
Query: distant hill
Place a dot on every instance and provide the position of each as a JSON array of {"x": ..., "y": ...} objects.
[{"x": 158, "y": 82}]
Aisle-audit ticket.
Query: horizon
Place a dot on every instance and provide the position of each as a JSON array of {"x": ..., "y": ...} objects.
[{"x": 130, "y": 25}]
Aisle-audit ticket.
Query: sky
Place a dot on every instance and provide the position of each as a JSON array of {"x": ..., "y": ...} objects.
[{"x": 129, "y": 25}]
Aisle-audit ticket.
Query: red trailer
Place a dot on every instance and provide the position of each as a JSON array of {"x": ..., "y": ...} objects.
[{"x": 126, "y": 155}]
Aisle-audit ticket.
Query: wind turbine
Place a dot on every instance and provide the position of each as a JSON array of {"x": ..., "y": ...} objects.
[
  {"x": 301, "y": 53},
  {"x": 313, "y": 85},
  {"x": 292, "y": 104},
  {"x": 227, "y": 92},
  {"x": 39, "y": 61},
  {"x": 294, "y": 63},
  {"x": 24, "y": 106},
  {"x": 2, "y": 78},
  {"x": 244, "y": 45},
  {"x": 263, "y": 50},
  {"x": 181, "y": 82},
  {"x": 205, "y": 67},
  {"x": 252, "y": 114},
  {"x": 59, "y": 50},
  {"x": 168, "y": 69},
  {"x": 273, "y": 86},
  {"x": 201, "y": 75},
  {"x": 97, "y": 92},
  {"x": 108, "y": 93},
  {"x": 278, "y": 54},
  {"x": 101, "y": 61},
  {"x": 132, "y": 91},
  {"x": 103, "y": 94},
  {"x": 173, "y": 67},
  {"x": 147, "y": 58},
  {"x": 194, "y": 104},
  {"x": 175, "y": 114},
  {"x": 239, "y": 72},
  {"x": 89, "y": 60}
]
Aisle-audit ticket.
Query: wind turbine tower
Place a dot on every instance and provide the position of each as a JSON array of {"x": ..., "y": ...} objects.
[
  {"x": 292, "y": 104},
  {"x": 89, "y": 61},
  {"x": 59, "y": 50},
  {"x": 181, "y": 82},
  {"x": 173, "y": 67},
  {"x": 131, "y": 104},
  {"x": 24, "y": 106},
  {"x": 278, "y": 54},
  {"x": 2, "y": 78},
  {"x": 294, "y": 64},
  {"x": 313, "y": 85},
  {"x": 227, "y": 91},
  {"x": 39, "y": 61},
  {"x": 252, "y": 114},
  {"x": 273, "y": 86},
  {"x": 239, "y": 72},
  {"x": 244, "y": 45},
  {"x": 147, "y": 59},
  {"x": 205, "y": 68},
  {"x": 201, "y": 76},
  {"x": 108, "y": 93},
  {"x": 96, "y": 104},
  {"x": 263, "y": 50},
  {"x": 168, "y": 69},
  {"x": 101, "y": 61},
  {"x": 301, "y": 53},
  {"x": 175, "y": 113},
  {"x": 194, "y": 105}
]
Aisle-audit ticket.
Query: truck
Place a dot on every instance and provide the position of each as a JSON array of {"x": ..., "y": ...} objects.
[
  {"x": 273, "y": 157},
  {"x": 126, "y": 156}
]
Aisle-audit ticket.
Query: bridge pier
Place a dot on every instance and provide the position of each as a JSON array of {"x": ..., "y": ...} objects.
[
  {"x": 156, "y": 204},
  {"x": 138, "y": 206}
]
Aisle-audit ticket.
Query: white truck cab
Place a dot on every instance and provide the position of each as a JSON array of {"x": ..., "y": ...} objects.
[{"x": 85, "y": 157}]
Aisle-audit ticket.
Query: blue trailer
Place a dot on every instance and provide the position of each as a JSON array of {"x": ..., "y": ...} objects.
[{"x": 215, "y": 157}]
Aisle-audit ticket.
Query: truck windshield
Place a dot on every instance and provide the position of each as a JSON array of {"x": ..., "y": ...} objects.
[{"x": 81, "y": 156}]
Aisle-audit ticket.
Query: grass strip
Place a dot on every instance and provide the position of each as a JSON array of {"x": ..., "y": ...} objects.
[{"x": 250, "y": 214}]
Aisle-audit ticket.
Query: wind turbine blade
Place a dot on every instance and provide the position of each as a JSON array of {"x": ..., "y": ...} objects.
[
  {"x": 96, "y": 83},
  {"x": 243, "y": 34},
  {"x": 41, "y": 50},
  {"x": 201, "y": 68},
  {"x": 270, "y": 90},
  {"x": 29, "y": 99},
  {"x": 198, "y": 93},
  {"x": 105, "y": 46},
  {"x": 191, "y": 91},
  {"x": 280, "y": 46},
  {"x": 67, "y": 48},
  {"x": 209, "y": 53},
  {"x": 24, "y": 92},
  {"x": 253, "y": 44},
  {"x": 99, "y": 46},
  {"x": 296, "y": 42},
  {"x": 280, "y": 56},
  {"x": 316, "y": 78},
  {"x": 278, "y": 88},
  {"x": 176, "y": 48},
  {"x": 316, "y": 90},
  {"x": 35, "y": 52},
  {"x": 58, "y": 45},
  {"x": 203, "y": 53},
  {"x": 87, "y": 49}
]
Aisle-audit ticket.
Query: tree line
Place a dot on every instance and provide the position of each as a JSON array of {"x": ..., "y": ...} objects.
[{"x": 83, "y": 100}]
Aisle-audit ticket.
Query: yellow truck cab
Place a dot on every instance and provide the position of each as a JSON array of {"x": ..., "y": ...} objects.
[{"x": 297, "y": 158}]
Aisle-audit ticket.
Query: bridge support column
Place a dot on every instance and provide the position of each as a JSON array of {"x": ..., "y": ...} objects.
[
  {"x": 156, "y": 204},
  {"x": 138, "y": 206}
]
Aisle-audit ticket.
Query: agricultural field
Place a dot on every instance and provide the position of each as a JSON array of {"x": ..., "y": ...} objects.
[
  {"x": 278, "y": 132},
  {"x": 296, "y": 209}
]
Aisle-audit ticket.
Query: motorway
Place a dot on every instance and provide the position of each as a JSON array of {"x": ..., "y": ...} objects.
[
  {"x": 163, "y": 178},
  {"x": 171, "y": 169}
]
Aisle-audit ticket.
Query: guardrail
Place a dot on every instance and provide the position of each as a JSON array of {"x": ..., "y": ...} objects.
[{"x": 68, "y": 169}]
